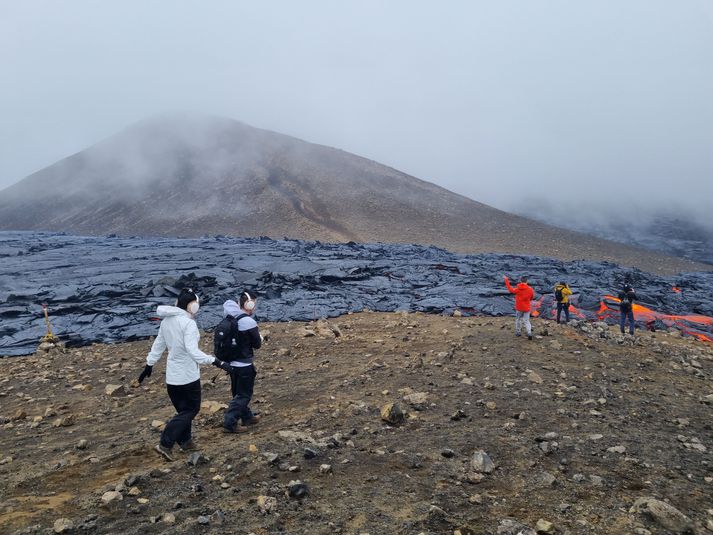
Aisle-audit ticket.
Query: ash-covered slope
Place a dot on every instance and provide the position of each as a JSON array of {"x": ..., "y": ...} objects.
[{"x": 191, "y": 176}]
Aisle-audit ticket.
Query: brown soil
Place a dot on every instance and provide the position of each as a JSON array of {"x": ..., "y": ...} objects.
[{"x": 651, "y": 395}]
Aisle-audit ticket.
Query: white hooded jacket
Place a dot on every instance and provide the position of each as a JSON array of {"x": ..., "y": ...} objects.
[{"x": 178, "y": 333}]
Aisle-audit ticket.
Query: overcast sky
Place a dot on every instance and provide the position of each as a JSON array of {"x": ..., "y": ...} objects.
[{"x": 503, "y": 101}]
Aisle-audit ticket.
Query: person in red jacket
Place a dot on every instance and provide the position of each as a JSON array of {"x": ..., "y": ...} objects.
[{"x": 523, "y": 296}]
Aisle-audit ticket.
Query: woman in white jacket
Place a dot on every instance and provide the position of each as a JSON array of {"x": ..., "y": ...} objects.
[{"x": 179, "y": 334}]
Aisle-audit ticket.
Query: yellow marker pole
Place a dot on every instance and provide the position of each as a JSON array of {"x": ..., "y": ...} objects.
[{"x": 49, "y": 337}]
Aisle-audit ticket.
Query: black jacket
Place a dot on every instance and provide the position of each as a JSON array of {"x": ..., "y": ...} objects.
[{"x": 235, "y": 339}]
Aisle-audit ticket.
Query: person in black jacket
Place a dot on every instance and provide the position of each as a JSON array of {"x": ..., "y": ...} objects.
[
  {"x": 236, "y": 336},
  {"x": 627, "y": 296}
]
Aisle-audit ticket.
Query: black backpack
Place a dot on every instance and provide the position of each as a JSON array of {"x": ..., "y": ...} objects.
[
  {"x": 226, "y": 344},
  {"x": 558, "y": 294}
]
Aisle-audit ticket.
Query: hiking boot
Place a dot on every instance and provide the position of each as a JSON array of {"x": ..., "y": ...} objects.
[
  {"x": 235, "y": 429},
  {"x": 252, "y": 421},
  {"x": 188, "y": 446},
  {"x": 529, "y": 337},
  {"x": 164, "y": 452}
]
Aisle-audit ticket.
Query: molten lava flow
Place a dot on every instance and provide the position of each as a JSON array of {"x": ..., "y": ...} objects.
[
  {"x": 686, "y": 323},
  {"x": 535, "y": 307}
]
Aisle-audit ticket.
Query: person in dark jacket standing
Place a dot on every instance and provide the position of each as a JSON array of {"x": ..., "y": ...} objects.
[
  {"x": 562, "y": 293},
  {"x": 179, "y": 334},
  {"x": 627, "y": 296},
  {"x": 236, "y": 336}
]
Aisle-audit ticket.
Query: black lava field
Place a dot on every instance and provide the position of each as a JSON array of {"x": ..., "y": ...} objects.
[{"x": 106, "y": 289}]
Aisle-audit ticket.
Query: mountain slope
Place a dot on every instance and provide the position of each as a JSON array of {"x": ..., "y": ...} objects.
[{"x": 190, "y": 176}]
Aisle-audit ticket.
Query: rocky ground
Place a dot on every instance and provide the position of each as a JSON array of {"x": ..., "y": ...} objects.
[{"x": 579, "y": 431}]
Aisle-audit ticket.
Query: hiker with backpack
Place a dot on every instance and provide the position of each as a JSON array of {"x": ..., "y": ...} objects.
[
  {"x": 523, "y": 298},
  {"x": 179, "y": 334},
  {"x": 562, "y": 293},
  {"x": 627, "y": 296},
  {"x": 236, "y": 336}
]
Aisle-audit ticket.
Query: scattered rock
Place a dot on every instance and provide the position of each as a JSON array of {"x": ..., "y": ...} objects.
[
  {"x": 458, "y": 415},
  {"x": 115, "y": 390},
  {"x": 266, "y": 504},
  {"x": 196, "y": 458},
  {"x": 111, "y": 497},
  {"x": 481, "y": 462},
  {"x": 63, "y": 525},
  {"x": 417, "y": 400},
  {"x": 297, "y": 489},
  {"x": 667, "y": 516},
  {"x": 392, "y": 413},
  {"x": 508, "y": 526},
  {"x": 325, "y": 469},
  {"x": 543, "y": 526},
  {"x": 82, "y": 444},
  {"x": 535, "y": 378},
  {"x": 310, "y": 453},
  {"x": 65, "y": 421}
]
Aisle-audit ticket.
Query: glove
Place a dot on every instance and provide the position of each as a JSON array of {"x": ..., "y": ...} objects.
[
  {"x": 222, "y": 365},
  {"x": 146, "y": 373}
]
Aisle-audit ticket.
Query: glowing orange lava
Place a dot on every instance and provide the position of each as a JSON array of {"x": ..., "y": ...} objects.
[{"x": 686, "y": 323}]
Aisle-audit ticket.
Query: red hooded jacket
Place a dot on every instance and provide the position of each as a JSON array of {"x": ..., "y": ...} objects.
[{"x": 523, "y": 295}]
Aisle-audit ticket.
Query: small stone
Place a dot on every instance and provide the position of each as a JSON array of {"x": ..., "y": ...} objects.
[
  {"x": 20, "y": 414},
  {"x": 266, "y": 504},
  {"x": 508, "y": 526},
  {"x": 115, "y": 390},
  {"x": 458, "y": 415},
  {"x": 617, "y": 449},
  {"x": 417, "y": 400},
  {"x": 168, "y": 518},
  {"x": 310, "y": 453},
  {"x": 543, "y": 526},
  {"x": 491, "y": 405},
  {"x": 65, "y": 421},
  {"x": 218, "y": 517},
  {"x": 325, "y": 469},
  {"x": 535, "y": 378},
  {"x": 476, "y": 499},
  {"x": 392, "y": 413},
  {"x": 82, "y": 444},
  {"x": 111, "y": 497},
  {"x": 481, "y": 462},
  {"x": 157, "y": 425},
  {"x": 196, "y": 458},
  {"x": 597, "y": 481},
  {"x": 142, "y": 501},
  {"x": 448, "y": 453},
  {"x": 297, "y": 489},
  {"x": 6, "y": 460},
  {"x": 667, "y": 516},
  {"x": 63, "y": 525},
  {"x": 252, "y": 448},
  {"x": 203, "y": 520},
  {"x": 272, "y": 458},
  {"x": 134, "y": 491}
]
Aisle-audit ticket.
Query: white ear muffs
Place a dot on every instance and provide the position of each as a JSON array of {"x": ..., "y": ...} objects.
[
  {"x": 194, "y": 306},
  {"x": 250, "y": 303}
]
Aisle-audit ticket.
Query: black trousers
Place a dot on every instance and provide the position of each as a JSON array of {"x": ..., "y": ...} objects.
[
  {"x": 560, "y": 308},
  {"x": 242, "y": 383},
  {"x": 187, "y": 401}
]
